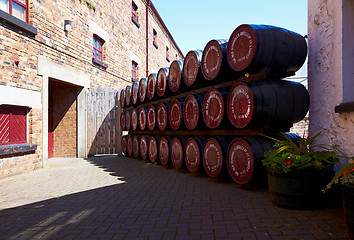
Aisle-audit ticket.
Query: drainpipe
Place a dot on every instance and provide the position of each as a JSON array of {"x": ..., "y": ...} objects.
[{"x": 147, "y": 37}]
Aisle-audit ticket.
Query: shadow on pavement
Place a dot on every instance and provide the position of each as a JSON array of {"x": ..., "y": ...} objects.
[{"x": 156, "y": 202}]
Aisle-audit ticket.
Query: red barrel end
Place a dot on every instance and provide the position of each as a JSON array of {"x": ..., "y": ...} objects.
[
  {"x": 122, "y": 121},
  {"x": 135, "y": 146},
  {"x": 213, "y": 108},
  {"x": 142, "y": 118},
  {"x": 129, "y": 146},
  {"x": 191, "y": 112},
  {"x": 151, "y": 86},
  {"x": 142, "y": 89},
  {"x": 239, "y": 161},
  {"x": 175, "y": 75},
  {"x": 134, "y": 120},
  {"x": 162, "y": 116},
  {"x": 176, "y": 153},
  {"x": 240, "y": 105},
  {"x": 212, "y": 157},
  {"x": 152, "y": 149},
  {"x": 175, "y": 114},
  {"x": 192, "y": 155},
  {"x": 164, "y": 151},
  {"x": 144, "y": 147},
  {"x": 212, "y": 59},
  {"x": 241, "y": 47},
  {"x": 151, "y": 117}
]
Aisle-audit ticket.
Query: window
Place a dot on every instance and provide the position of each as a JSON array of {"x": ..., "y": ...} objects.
[
  {"x": 167, "y": 54},
  {"x": 134, "y": 71},
  {"x": 347, "y": 104},
  {"x": 97, "y": 48},
  {"x": 135, "y": 14},
  {"x": 13, "y": 125},
  {"x": 154, "y": 38},
  {"x": 16, "y": 8}
]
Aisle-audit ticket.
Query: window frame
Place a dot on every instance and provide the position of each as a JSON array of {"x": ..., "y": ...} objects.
[
  {"x": 135, "y": 11},
  {"x": 25, "y": 6},
  {"x": 97, "y": 39},
  {"x": 167, "y": 53},
  {"x": 135, "y": 66},
  {"x": 14, "y": 138},
  {"x": 154, "y": 38}
]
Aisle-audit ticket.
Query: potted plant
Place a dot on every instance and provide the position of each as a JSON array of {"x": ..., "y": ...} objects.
[
  {"x": 345, "y": 178},
  {"x": 297, "y": 173}
]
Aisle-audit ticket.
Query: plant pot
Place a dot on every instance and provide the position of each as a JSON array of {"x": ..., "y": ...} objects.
[
  {"x": 300, "y": 189},
  {"x": 348, "y": 207}
]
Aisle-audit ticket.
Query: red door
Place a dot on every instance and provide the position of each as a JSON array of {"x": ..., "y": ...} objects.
[{"x": 50, "y": 126}]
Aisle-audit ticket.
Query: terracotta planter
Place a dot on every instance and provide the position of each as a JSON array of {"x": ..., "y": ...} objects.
[
  {"x": 348, "y": 206},
  {"x": 298, "y": 189}
]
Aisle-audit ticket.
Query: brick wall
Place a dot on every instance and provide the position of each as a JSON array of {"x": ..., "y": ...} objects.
[
  {"x": 301, "y": 128},
  {"x": 64, "y": 122},
  {"x": 74, "y": 50}
]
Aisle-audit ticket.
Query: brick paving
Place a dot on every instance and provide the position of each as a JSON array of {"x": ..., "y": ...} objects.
[{"x": 113, "y": 197}]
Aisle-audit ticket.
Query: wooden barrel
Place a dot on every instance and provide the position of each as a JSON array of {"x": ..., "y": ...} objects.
[
  {"x": 177, "y": 148},
  {"x": 244, "y": 158},
  {"x": 142, "y": 118},
  {"x": 214, "y": 153},
  {"x": 151, "y": 86},
  {"x": 164, "y": 150},
  {"x": 162, "y": 82},
  {"x": 122, "y": 121},
  {"x": 192, "y": 72},
  {"x": 192, "y": 112},
  {"x": 214, "y": 62},
  {"x": 128, "y": 95},
  {"x": 142, "y": 90},
  {"x": 253, "y": 47},
  {"x": 144, "y": 143},
  {"x": 175, "y": 83},
  {"x": 214, "y": 104},
  {"x": 127, "y": 120},
  {"x": 134, "y": 119},
  {"x": 192, "y": 153},
  {"x": 153, "y": 148},
  {"x": 122, "y": 98},
  {"x": 134, "y": 93},
  {"x": 129, "y": 145},
  {"x": 136, "y": 148},
  {"x": 124, "y": 144},
  {"x": 267, "y": 102},
  {"x": 175, "y": 113},
  {"x": 151, "y": 117},
  {"x": 162, "y": 116}
]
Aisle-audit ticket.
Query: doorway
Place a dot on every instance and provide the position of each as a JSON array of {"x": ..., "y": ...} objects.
[{"x": 62, "y": 119}]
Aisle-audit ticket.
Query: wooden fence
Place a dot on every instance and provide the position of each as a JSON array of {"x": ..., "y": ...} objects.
[{"x": 103, "y": 127}]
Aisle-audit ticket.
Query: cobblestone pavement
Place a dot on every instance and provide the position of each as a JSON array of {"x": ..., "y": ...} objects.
[{"x": 114, "y": 197}]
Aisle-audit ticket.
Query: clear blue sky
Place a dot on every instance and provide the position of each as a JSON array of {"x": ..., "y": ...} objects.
[{"x": 193, "y": 23}]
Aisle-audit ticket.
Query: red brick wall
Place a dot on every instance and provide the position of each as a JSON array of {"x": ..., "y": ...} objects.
[
  {"x": 74, "y": 50},
  {"x": 65, "y": 121}
]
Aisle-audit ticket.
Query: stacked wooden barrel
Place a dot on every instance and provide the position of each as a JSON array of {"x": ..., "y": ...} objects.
[{"x": 208, "y": 112}]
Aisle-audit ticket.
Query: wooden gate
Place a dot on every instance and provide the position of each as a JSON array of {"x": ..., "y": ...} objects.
[{"x": 103, "y": 127}]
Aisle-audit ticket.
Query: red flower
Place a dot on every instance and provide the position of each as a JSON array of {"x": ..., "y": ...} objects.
[{"x": 287, "y": 162}]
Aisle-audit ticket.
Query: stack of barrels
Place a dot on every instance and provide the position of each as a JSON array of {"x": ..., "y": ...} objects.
[{"x": 208, "y": 112}]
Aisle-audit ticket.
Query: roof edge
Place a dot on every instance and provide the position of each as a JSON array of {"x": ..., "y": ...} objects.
[{"x": 164, "y": 26}]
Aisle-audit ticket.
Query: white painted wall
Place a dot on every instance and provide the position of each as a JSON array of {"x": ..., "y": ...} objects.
[{"x": 326, "y": 74}]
